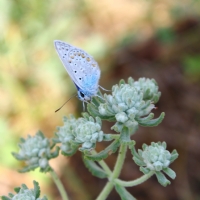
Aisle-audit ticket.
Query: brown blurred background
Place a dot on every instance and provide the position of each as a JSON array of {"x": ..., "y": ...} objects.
[{"x": 152, "y": 39}]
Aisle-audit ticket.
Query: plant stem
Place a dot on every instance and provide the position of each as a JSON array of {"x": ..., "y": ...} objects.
[
  {"x": 116, "y": 172},
  {"x": 103, "y": 164},
  {"x": 59, "y": 185},
  {"x": 115, "y": 136},
  {"x": 135, "y": 182}
]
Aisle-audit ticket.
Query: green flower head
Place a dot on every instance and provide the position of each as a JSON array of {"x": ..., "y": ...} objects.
[
  {"x": 36, "y": 152},
  {"x": 156, "y": 158},
  {"x": 24, "y": 193},
  {"x": 130, "y": 102},
  {"x": 85, "y": 131},
  {"x": 66, "y": 135}
]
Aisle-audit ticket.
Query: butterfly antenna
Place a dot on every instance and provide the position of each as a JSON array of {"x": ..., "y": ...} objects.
[
  {"x": 104, "y": 88},
  {"x": 65, "y": 103}
]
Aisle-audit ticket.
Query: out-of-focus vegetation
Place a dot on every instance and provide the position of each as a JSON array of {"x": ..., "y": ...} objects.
[{"x": 33, "y": 82}]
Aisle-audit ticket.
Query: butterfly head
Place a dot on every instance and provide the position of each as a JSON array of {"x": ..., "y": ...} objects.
[{"x": 83, "y": 97}]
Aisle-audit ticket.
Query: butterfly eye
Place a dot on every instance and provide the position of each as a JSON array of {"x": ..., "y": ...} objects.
[{"x": 82, "y": 95}]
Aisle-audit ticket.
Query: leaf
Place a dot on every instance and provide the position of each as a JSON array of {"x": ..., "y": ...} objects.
[
  {"x": 174, "y": 155},
  {"x": 17, "y": 189},
  {"x": 122, "y": 81},
  {"x": 36, "y": 189},
  {"x": 95, "y": 113},
  {"x": 5, "y": 198},
  {"x": 85, "y": 115},
  {"x": 17, "y": 156},
  {"x": 39, "y": 133},
  {"x": 133, "y": 151},
  {"x": 144, "y": 170},
  {"x": 108, "y": 137},
  {"x": 138, "y": 161},
  {"x": 55, "y": 153},
  {"x": 71, "y": 152},
  {"x": 145, "y": 119},
  {"x": 123, "y": 193},
  {"x": 162, "y": 179},
  {"x": 170, "y": 173},
  {"x": 28, "y": 168},
  {"x": 94, "y": 169},
  {"x": 147, "y": 104},
  {"x": 112, "y": 148},
  {"x": 153, "y": 122},
  {"x": 125, "y": 135}
]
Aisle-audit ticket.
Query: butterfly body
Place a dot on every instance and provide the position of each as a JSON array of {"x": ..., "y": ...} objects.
[{"x": 81, "y": 67}]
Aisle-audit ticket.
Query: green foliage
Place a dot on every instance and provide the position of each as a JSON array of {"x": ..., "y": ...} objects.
[
  {"x": 191, "y": 65},
  {"x": 94, "y": 169},
  {"x": 23, "y": 193},
  {"x": 112, "y": 148},
  {"x": 148, "y": 122},
  {"x": 166, "y": 35},
  {"x": 36, "y": 152},
  {"x": 123, "y": 193},
  {"x": 130, "y": 105}
]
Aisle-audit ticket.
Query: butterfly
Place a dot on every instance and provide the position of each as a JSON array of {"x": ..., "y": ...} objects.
[{"x": 81, "y": 67}]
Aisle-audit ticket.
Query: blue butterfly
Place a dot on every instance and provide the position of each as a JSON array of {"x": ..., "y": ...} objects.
[{"x": 81, "y": 67}]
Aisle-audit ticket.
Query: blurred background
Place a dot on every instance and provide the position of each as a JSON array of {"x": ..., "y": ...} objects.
[{"x": 146, "y": 38}]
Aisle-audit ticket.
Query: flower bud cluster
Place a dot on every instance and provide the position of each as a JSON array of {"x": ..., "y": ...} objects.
[
  {"x": 148, "y": 87},
  {"x": 24, "y": 193},
  {"x": 129, "y": 102},
  {"x": 85, "y": 131},
  {"x": 155, "y": 156},
  {"x": 35, "y": 151}
]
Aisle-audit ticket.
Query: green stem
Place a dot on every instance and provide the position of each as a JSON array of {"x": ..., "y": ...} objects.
[
  {"x": 59, "y": 185},
  {"x": 116, "y": 172},
  {"x": 135, "y": 182},
  {"x": 103, "y": 164},
  {"x": 115, "y": 136}
]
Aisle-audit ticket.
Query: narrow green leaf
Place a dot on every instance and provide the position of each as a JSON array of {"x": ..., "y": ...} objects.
[
  {"x": 94, "y": 169},
  {"x": 24, "y": 187},
  {"x": 40, "y": 134},
  {"x": 55, "y": 153},
  {"x": 133, "y": 151},
  {"x": 73, "y": 150},
  {"x": 147, "y": 103},
  {"x": 130, "y": 81},
  {"x": 132, "y": 145},
  {"x": 17, "y": 189},
  {"x": 164, "y": 144},
  {"x": 153, "y": 122},
  {"x": 145, "y": 119},
  {"x": 85, "y": 115},
  {"x": 17, "y": 156},
  {"x": 5, "y": 198},
  {"x": 36, "y": 189},
  {"x": 125, "y": 135},
  {"x": 123, "y": 193},
  {"x": 107, "y": 137},
  {"x": 162, "y": 179},
  {"x": 112, "y": 148},
  {"x": 122, "y": 81},
  {"x": 138, "y": 161},
  {"x": 144, "y": 170},
  {"x": 28, "y": 168},
  {"x": 95, "y": 113},
  {"x": 174, "y": 155},
  {"x": 170, "y": 173}
]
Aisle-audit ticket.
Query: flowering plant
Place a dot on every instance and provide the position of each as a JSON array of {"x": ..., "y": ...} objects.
[{"x": 130, "y": 106}]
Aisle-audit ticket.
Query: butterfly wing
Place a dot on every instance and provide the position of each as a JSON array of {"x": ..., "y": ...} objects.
[{"x": 81, "y": 67}]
